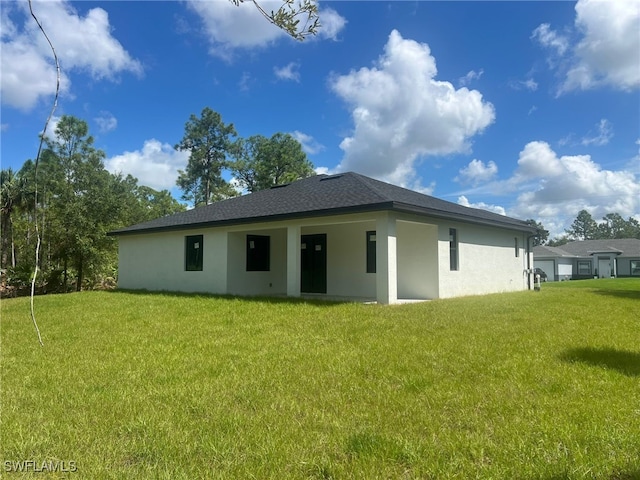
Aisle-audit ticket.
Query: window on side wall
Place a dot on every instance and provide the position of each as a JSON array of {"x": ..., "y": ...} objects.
[
  {"x": 517, "y": 247},
  {"x": 258, "y": 253},
  {"x": 635, "y": 268},
  {"x": 371, "y": 251},
  {"x": 193, "y": 253},
  {"x": 453, "y": 249}
]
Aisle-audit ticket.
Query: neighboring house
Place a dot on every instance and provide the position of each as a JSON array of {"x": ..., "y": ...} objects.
[
  {"x": 590, "y": 258},
  {"x": 340, "y": 236}
]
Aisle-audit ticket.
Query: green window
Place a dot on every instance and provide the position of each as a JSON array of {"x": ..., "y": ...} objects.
[
  {"x": 453, "y": 249},
  {"x": 258, "y": 253},
  {"x": 371, "y": 251},
  {"x": 193, "y": 253}
]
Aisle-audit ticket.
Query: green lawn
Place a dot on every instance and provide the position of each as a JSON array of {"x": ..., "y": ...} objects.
[{"x": 528, "y": 385}]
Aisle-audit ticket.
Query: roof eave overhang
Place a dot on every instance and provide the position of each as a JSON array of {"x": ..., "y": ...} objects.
[
  {"x": 258, "y": 219},
  {"x": 382, "y": 206},
  {"x": 407, "y": 208}
]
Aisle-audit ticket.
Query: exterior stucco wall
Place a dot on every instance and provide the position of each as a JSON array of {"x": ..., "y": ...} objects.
[
  {"x": 487, "y": 261},
  {"x": 242, "y": 282},
  {"x": 156, "y": 262},
  {"x": 346, "y": 259},
  {"x": 623, "y": 265},
  {"x": 417, "y": 253}
]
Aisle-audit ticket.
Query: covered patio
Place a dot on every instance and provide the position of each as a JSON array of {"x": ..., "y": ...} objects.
[{"x": 377, "y": 257}]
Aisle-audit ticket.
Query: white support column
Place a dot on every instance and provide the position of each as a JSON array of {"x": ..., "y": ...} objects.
[
  {"x": 293, "y": 261},
  {"x": 386, "y": 260}
]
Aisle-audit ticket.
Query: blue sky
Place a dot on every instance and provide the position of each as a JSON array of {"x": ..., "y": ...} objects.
[{"x": 531, "y": 109}]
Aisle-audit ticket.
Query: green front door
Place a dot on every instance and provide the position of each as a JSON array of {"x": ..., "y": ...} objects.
[{"x": 313, "y": 258}]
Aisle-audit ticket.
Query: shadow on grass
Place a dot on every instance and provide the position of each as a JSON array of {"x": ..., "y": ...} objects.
[
  {"x": 616, "y": 475},
  {"x": 320, "y": 302},
  {"x": 625, "y": 475},
  {"x": 630, "y": 294},
  {"x": 623, "y": 361}
]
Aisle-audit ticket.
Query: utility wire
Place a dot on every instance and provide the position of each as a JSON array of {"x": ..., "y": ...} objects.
[{"x": 35, "y": 173}]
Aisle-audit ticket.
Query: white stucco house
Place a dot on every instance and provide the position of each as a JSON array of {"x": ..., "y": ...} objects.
[
  {"x": 342, "y": 236},
  {"x": 589, "y": 258}
]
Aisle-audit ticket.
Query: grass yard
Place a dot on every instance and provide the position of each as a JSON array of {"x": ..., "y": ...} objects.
[{"x": 529, "y": 385}]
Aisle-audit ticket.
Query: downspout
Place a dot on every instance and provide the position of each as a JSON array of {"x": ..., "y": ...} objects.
[{"x": 529, "y": 250}]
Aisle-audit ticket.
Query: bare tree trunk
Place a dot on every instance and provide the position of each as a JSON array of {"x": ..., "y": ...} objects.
[
  {"x": 65, "y": 274},
  {"x": 13, "y": 249},
  {"x": 80, "y": 276},
  {"x": 42, "y": 236},
  {"x": 3, "y": 230}
]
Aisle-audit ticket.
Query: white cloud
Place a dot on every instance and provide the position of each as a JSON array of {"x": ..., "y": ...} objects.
[
  {"x": 51, "y": 129},
  {"x": 417, "y": 186},
  {"x": 288, "y": 72},
  {"x": 608, "y": 50},
  {"x": 155, "y": 165},
  {"x": 477, "y": 172},
  {"x": 470, "y": 77},
  {"x": 553, "y": 188},
  {"x": 528, "y": 84},
  {"x": 7, "y": 27},
  {"x": 634, "y": 163},
  {"x": 245, "y": 82},
  {"x": 401, "y": 113},
  {"x": 309, "y": 144},
  {"x": 27, "y": 74},
  {"x": 603, "y": 135},
  {"x": 538, "y": 160},
  {"x": 331, "y": 23},
  {"x": 464, "y": 201},
  {"x": 229, "y": 27},
  {"x": 81, "y": 43},
  {"x": 106, "y": 122},
  {"x": 556, "y": 187},
  {"x": 550, "y": 39}
]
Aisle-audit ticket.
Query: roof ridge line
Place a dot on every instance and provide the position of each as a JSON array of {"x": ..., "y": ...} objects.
[{"x": 363, "y": 180}]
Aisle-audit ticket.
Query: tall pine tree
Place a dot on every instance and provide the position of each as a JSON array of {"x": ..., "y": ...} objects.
[{"x": 208, "y": 141}]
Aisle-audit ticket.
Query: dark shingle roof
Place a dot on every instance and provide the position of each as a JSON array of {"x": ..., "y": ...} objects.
[
  {"x": 627, "y": 247},
  {"x": 321, "y": 195}
]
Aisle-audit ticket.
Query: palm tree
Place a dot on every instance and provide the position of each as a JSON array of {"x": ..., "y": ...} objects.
[{"x": 9, "y": 196}]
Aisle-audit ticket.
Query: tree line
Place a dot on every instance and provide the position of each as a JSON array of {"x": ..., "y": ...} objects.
[
  {"x": 584, "y": 227},
  {"x": 78, "y": 201}
]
